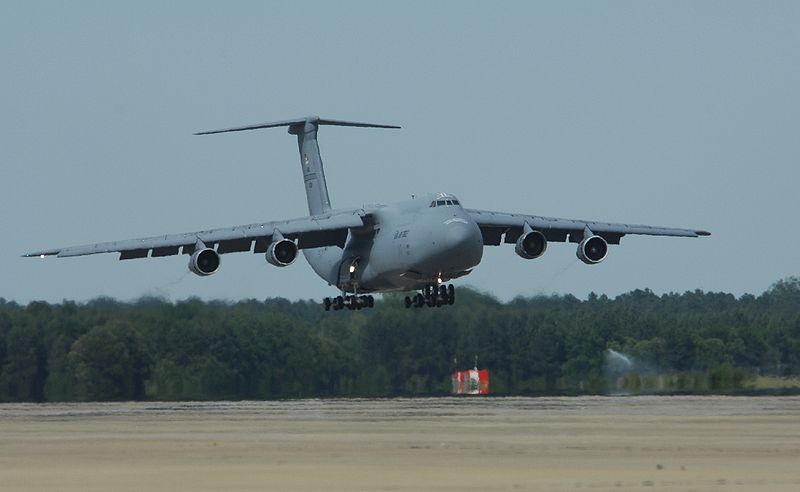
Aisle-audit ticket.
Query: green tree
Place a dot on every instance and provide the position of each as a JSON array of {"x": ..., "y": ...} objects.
[
  {"x": 24, "y": 369},
  {"x": 109, "y": 363}
]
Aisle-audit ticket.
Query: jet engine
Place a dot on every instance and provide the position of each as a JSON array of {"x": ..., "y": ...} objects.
[
  {"x": 531, "y": 245},
  {"x": 592, "y": 250},
  {"x": 204, "y": 262},
  {"x": 282, "y": 253}
]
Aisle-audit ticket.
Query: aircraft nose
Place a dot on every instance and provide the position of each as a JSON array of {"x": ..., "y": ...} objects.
[
  {"x": 458, "y": 234},
  {"x": 464, "y": 240}
]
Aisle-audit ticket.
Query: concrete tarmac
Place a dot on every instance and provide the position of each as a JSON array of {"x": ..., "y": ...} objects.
[{"x": 442, "y": 444}]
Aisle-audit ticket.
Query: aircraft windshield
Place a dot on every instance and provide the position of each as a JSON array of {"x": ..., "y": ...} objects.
[{"x": 444, "y": 203}]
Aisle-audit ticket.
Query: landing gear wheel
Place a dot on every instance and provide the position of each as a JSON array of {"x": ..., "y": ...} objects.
[
  {"x": 431, "y": 295},
  {"x": 351, "y": 302}
]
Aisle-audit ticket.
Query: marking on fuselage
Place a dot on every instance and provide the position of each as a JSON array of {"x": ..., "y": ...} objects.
[
  {"x": 455, "y": 219},
  {"x": 400, "y": 234}
]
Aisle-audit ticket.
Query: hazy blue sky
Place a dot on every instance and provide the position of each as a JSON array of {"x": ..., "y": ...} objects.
[{"x": 670, "y": 113}]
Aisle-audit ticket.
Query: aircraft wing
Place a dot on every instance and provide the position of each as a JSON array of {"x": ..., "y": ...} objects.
[
  {"x": 310, "y": 232},
  {"x": 497, "y": 226}
]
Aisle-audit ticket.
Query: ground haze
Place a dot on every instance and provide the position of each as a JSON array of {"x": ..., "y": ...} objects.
[{"x": 599, "y": 443}]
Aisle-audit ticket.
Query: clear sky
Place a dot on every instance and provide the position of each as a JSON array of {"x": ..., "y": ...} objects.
[{"x": 666, "y": 113}]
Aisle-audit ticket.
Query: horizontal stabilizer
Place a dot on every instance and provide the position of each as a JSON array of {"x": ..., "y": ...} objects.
[{"x": 315, "y": 120}]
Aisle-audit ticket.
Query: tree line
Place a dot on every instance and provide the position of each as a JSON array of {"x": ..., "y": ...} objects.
[{"x": 195, "y": 350}]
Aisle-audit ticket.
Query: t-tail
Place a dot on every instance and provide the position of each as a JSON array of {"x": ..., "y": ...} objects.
[{"x": 310, "y": 160}]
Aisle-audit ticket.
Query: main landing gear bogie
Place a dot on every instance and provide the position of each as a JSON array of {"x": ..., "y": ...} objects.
[
  {"x": 351, "y": 302},
  {"x": 432, "y": 296}
]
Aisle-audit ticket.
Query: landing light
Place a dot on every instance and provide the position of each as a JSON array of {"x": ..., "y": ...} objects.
[
  {"x": 352, "y": 268},
  {"x": 439, "y": 280},
  {"x": 41, "y": 256}
]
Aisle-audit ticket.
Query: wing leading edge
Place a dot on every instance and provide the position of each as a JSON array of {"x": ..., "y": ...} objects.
[
  {"x": 498, "y": 225},
  {"x": 310, "y": 232}
]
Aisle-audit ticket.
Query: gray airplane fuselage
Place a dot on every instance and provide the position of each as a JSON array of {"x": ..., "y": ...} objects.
[{"x": 412, "y": 243}]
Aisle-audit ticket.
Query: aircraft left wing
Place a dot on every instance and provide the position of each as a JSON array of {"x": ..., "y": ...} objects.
[
  {"x": 498, "y": 227},
  {"x": 327, "y": 229}
]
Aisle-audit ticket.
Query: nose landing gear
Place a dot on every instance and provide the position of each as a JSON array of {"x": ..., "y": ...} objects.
[
  {"x": 433, "y": 296},
  {"x": 348, "y": 302}
]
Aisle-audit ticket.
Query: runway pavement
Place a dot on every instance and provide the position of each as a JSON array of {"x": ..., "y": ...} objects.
[{"x": 445, "y": 444}]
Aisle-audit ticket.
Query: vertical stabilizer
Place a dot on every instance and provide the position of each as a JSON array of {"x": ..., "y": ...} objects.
[{"x": 310, "y": 160}]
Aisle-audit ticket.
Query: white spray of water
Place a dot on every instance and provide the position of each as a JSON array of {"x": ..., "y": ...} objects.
[
  {"x": 620, "y": 358},
  {"x": 616, "y": 367}
]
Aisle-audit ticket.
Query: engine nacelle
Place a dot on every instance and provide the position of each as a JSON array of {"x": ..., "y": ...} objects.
[
  {"x": 592, "y": 250},
  {"x": 531, "y": 245},
  {"x": 282, "y": 253},
  {"x": 204, "y": 262}
]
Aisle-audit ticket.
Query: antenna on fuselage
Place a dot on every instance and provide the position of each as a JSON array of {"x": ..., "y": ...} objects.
[{"x": 310, "y": 159}]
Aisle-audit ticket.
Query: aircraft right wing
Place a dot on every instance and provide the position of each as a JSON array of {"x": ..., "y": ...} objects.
[
  {"x": 496, "y": 225},
  {"x": 329, "y": 229}
]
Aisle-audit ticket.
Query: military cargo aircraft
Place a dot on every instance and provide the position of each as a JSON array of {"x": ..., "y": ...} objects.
[{"x": 419, "y": 244}]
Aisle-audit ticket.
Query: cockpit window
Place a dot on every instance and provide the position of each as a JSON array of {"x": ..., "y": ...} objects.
[{"x": 444, "y": 203}]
